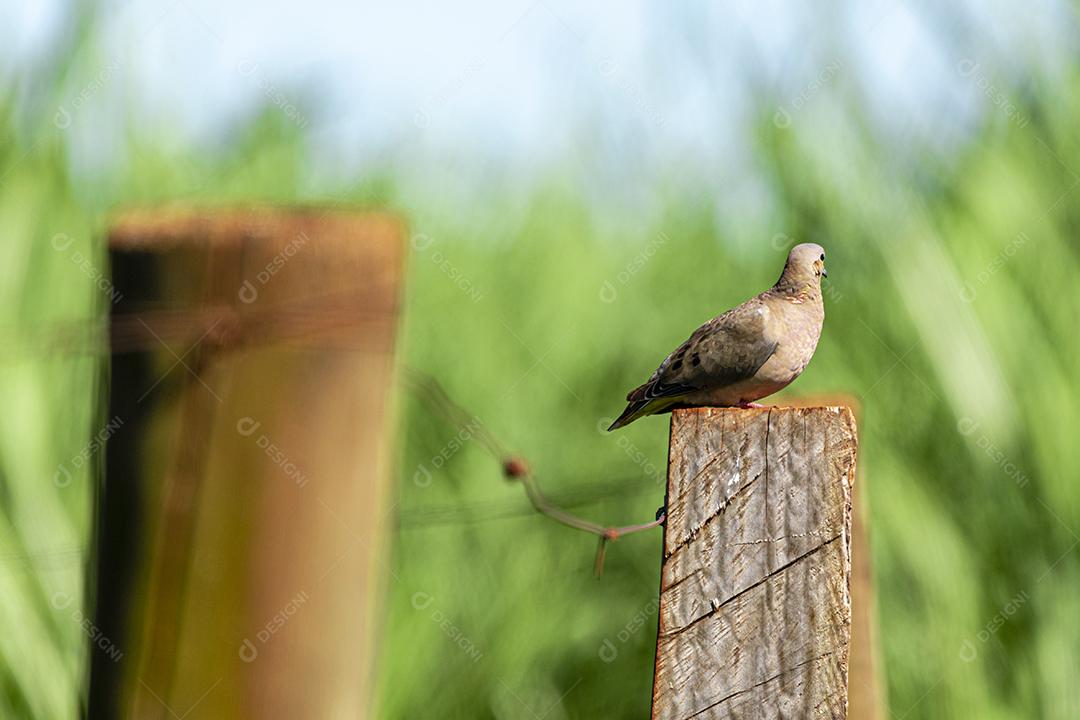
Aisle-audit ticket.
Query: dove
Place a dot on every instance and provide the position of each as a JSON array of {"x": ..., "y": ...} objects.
[{"x": 745, "y": 354}]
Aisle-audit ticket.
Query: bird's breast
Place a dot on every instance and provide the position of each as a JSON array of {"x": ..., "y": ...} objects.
[{"x": 802, "y": 329}]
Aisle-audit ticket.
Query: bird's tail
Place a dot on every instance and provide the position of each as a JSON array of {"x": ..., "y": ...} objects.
[{"x": 641, "y": 408}]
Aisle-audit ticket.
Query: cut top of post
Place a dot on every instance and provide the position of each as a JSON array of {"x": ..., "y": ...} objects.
[
  {"x": 159, "y": 228},
  {"x": 254, "y": 275}
]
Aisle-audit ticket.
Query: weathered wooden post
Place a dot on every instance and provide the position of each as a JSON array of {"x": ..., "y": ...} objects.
[
  {"x": 755, "y": 609},
  {"x": 241, "y": 523}
]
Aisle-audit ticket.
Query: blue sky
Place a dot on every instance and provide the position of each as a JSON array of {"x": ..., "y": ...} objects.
[{"x": 526, "y": 81}]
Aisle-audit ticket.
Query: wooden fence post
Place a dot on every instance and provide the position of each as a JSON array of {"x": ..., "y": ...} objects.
[
  {"x": 241, "y": 522},
  {"x": 755, "y": 608}
]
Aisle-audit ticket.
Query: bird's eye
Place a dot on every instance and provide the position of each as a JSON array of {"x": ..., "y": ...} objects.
[{"x": 823, "y": 256}]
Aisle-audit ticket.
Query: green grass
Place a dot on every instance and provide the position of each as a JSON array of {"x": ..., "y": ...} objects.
[{"x": 961, "y": 523}]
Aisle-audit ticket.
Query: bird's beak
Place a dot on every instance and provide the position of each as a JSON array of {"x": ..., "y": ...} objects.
[{"x": 824, "y": 272}]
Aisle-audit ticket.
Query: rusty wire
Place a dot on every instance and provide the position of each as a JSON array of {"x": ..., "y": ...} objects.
[
  {"x": 514, "y": 467},
  {"x": 129, "y": 332}
]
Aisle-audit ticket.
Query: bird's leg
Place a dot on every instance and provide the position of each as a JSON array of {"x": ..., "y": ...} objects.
[{"x": 747, "y": 405}]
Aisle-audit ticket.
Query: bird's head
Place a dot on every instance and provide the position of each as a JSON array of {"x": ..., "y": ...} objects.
[{"x": 805, "y": 265}]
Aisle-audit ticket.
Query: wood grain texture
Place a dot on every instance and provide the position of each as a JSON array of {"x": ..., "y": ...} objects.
[{"x": 755, "y": 608}]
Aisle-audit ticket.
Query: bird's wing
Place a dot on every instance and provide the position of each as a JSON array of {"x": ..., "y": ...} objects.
[{"x": 728, "y": 348}]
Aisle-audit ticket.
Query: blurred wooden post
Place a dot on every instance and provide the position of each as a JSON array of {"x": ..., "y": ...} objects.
[
  {"x": 755, "y": 610},
  {"x": 866, "y": 694},
  {"x": 241, "y": 522}
]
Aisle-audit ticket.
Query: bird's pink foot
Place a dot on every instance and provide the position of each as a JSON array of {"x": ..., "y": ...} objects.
[{"x": 747, "y": 405}]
